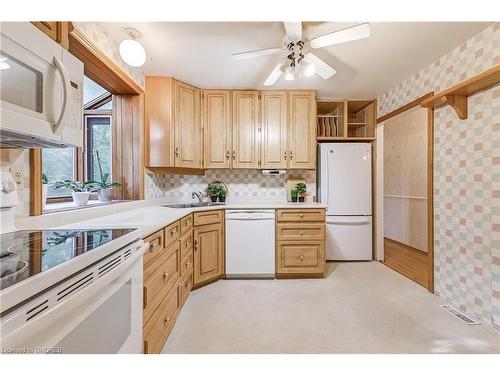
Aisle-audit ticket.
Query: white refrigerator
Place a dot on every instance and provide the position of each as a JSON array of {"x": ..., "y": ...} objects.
[{"x": 345, "y": 186}]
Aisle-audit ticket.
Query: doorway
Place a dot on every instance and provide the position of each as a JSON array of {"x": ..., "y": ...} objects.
[{"x": 408, "y": 194}]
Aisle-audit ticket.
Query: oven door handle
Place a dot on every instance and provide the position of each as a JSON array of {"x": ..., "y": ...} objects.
[
  {"x": 66, "y": 84},
  {"x": 77, "y": 307}
]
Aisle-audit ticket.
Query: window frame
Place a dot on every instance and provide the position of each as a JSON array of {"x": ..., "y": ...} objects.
[{"x": 88, "y": 157}]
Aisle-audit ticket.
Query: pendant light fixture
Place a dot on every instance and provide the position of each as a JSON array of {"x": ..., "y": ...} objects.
[{"x": 131, "y": 51}]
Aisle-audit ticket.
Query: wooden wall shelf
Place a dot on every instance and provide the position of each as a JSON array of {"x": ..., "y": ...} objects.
[{"x": 456, "y": 96}]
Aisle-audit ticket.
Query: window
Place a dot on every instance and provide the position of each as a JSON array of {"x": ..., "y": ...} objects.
[{"x": 67, "y": 163}]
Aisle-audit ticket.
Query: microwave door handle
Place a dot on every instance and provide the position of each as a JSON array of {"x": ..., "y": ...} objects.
[{"x": 63, "y": 72}]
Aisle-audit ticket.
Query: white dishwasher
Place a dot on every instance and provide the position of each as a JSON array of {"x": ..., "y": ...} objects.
[{"x": 250, "y": 244}]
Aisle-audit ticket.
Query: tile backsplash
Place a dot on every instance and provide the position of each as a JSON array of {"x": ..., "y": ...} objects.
[{"x": 243, "y": 185}]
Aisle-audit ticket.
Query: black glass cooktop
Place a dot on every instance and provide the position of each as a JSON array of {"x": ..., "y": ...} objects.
[{"x": 27, "y": 253}]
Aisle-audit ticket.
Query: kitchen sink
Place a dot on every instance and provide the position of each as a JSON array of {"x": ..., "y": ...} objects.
[{"x": 193, "y": 205}]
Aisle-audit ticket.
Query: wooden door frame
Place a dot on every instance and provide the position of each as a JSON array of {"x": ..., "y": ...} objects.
[
  {"x": 105, "y": 72},
  {"x": 430, "y": 178}
]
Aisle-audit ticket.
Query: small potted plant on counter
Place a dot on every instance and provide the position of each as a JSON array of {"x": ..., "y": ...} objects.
[
  {"x": 213, "y": 191},
  {"x": 104, "y": 186},
  {"x": 45, "y": 188},
  {"x": 294, "y": 194},
  {"x": 301, "y": 191},
  {"x": 80, "y": 192},
  {"x": 222, "y": 193}
]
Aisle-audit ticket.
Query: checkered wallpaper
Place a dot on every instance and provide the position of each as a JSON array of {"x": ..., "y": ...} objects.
[
  {"x": 244, "y": 185},
  {"x": 466, "y": 177}
]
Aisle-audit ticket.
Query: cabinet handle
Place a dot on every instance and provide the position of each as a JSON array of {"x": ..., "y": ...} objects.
[
  {"x": 301, "y": 215},
  {"x": 195, "y": 245},
  {"x": 228, "y": 154},
  {"x": 234, "y": 154},
  {"x": 177, "y": 152},
  {"x": 301, "y": 233},
  {"x": 165, "y": 275},
  {"x": 167, "y": 320},
  {"x": 285, "y": 155},
  {"x": 301, "y": 258},
  {"x": 291, "y": 155}
]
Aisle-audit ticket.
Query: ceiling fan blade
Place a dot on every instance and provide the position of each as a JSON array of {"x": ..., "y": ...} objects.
[
  {"x": 256, "y": 53},
  {"x": 345, "y": 35},
  {"x": 293, "y": 30},
  {"x": 275, "y": 74},
  {"x": 322, "y": 69}
]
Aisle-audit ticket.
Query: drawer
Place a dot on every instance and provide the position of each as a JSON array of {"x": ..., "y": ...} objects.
[
  {"x": 208, "y": 217},
  {"x": 300, "y": 231},
  {"x": 304, "y": 214},
  {"x": 163, "y": 277},
  {"x": 187, "y": 264},
  {"x": 159, "y": 261},
  {"x": 172, "y": 233},
  {"x": 186, "y": 224},
  {"x": 186, "y": 244},
  {"x": 185, "y": 287},
  {"x": 301, "y": 257},
  {"x": 156, "y": 242},
  {"x": 159, "y": 326}
]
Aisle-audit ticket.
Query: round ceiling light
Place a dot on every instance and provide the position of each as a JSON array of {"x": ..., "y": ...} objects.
[{"x": 131, "y": 51}]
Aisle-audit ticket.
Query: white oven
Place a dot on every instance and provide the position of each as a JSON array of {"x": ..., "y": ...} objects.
[
  {"x": 97, "y": 310},
  {"x": 41, "y": 89}
]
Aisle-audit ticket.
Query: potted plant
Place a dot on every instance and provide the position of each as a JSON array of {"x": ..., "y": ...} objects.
[
  {"x": 301, "y": 191},
  {"x": 222, "y": 194},
  {"x": 45, "y": 188},
  {"x": 294, "y": 194},
  {"x": 80, "y": 192},
  {"x": 104, "y": 186},
  {"x": 213, "y": 191}
]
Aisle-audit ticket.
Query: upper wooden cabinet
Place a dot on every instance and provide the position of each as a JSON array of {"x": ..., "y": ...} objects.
[
  {"x": 274, "y": 125},
  {"x": 56, "y": 30},
  {"x": 245, "y": 129},
  {"x": 187, "y": 127},
  {"x": 172, "y": 124},
  {"x": 217, "y": 142},
  {"x": 190, "y": 128},
  {"x": 302, "y": 130}
]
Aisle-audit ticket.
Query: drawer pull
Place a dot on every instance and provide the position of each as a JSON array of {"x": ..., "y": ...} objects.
[
  {"x": 195, "y": 245},
  {"x": 301, "y": 258},
  {"x": 301, "y": 215},
  {"x": 167, "y": 320},
  {"x": 165, "y": 275},
  {"x": 187, "y": 264},
  {"x": 301, "y": 233}
]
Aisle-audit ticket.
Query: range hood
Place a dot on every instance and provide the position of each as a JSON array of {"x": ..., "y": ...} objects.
[{"x": 10, "y": 139}]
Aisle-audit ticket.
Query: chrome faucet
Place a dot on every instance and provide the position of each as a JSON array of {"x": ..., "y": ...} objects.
[{"x": 198, "y": 195}]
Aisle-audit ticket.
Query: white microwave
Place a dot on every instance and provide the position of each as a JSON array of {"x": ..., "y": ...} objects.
[{"x": 41, "y": 90}]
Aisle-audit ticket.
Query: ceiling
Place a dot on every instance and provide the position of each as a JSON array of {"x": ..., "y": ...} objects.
[{"x": 200, "y": 53}]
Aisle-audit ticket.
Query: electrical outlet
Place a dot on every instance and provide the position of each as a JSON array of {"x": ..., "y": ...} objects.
[{"x": 18, "y": 175}]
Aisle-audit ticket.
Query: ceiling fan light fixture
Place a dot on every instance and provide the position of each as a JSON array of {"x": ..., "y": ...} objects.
[{"x": 131, "y": 51}]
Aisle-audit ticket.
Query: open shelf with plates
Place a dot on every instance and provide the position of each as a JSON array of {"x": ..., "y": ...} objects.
[{"x": 347, "y": 120}]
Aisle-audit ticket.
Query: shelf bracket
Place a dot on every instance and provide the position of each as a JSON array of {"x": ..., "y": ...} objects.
[{"x": 459, "y": 104}]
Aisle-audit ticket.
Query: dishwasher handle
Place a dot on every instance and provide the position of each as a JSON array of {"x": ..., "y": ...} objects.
[{"x": 250, "y": 215}]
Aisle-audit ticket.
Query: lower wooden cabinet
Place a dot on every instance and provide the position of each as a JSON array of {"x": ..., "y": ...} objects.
[
  {"x": 208, "y": 253},
  {"x": 300, "y": 245},
  {"x": 168, "y": 279}
]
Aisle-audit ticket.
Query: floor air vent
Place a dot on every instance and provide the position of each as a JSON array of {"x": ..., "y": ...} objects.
[{"x": 459, "y": 315}]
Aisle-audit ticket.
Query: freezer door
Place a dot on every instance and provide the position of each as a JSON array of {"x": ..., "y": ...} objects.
[
  {"x": 349, "y": 238},
  {"x": 349, "y": 179}
]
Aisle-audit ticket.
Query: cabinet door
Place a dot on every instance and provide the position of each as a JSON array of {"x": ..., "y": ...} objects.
[
  {"x": 273, "y": 129},
  {"x": 158, "y": 124},
  {"x": 208, "y": 253},
  {"x": 56, "y": 30},
  {"x": 245, "y": 153},
  {"x": 217, "y": 128},
  {"x": 187, "y": 126},
  {"x": 301, "y": 130}
]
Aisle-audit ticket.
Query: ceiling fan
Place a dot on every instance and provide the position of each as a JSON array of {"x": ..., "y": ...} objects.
[{"x": 298, "y": 61}]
